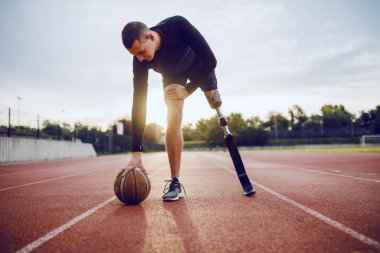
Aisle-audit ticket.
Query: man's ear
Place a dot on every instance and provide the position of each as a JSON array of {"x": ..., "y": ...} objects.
[{"x": 151, "y": 37}]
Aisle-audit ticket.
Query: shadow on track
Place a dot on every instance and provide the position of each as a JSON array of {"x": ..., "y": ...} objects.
[
  {"x": 131, "y": 222},
  {"x": 185, "y": 224}
]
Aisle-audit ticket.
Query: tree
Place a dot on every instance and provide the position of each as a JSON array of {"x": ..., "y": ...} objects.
[
  {"x": 56, "y": 130},
  {"x": 238, "y": 126},
  {"x": 255, "y": 134},
  {"x": 82, "y": 132},
  {"x": 153, "y": 133},
  {"x": 277, "y": 124},
  {"x": 246, "y": 132},
  {"x": 254, "y": 121},
  {"x": 369, "y": 122},
  {"x": 364, "y": 121},
  {"x": 211, "y": 131},
  {"x": 297, "y": 119},
  {"x": 336, "y": 120},
  {"x": 201, "y": 128},
  {"x": 313, "y": 126},
  {"x": 236, "y": 122},
  {"x": 189, "y": 133},
  {"x": 127, "y": 126},
  {"x": 375, "y": 119}
]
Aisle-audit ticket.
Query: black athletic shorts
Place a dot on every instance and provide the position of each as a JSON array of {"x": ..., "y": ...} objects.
[{"x": 206, "y": 84}]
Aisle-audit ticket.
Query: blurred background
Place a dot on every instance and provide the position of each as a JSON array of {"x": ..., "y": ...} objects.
[{"x": 290, "y": 72}]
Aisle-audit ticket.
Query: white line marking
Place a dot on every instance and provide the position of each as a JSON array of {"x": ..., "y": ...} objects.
[
  {"x": 57, "y": 178},
  {"x": 37, "y": 243},
  {"x": 38, "y": 170},
  {"x": 322, "y": 172},
  {"x": 55, "y": 232},
  {"x": 314, "y": 171},
  {"x": 353, "y": 233},
  {"x": 19, "y": 172},
  {"x": 51, "y": 179}
]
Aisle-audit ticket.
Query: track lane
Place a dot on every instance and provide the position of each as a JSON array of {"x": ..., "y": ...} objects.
[
  {"x": 349, "y": 231},
  {"x": 362, "y": 165},
  {"x": 354, "y": 203},
  {"x": 28, "y": 212},
  {"x": 216, "y": 218},
  {"x": 20, "y": 175},
  {"x": 28, "y": 174}
]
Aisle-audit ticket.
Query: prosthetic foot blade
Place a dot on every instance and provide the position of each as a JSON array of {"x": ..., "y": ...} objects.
[{"x": 239, "y": 166}]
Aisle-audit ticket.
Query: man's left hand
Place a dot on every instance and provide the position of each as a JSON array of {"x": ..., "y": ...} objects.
[{"x": 175, "y": 92}]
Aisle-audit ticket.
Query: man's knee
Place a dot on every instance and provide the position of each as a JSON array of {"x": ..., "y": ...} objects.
[
  {"x": 175, "y": 107},
  {"x": 175, "y": 110}
]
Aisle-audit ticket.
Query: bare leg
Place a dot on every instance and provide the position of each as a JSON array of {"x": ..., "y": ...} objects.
[{"x": 174, "y": 135}]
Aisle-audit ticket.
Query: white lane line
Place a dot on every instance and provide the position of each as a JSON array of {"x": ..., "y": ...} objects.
[
  {"x": 51, "y": 179},
  {"x": 40, "y": 170},
  {"x": 55, "y": 178},
  {"x": 37, "y": 243},
  {"x": 20, "y": 172},
  {"x": 351, "y": 232},
  {"x": 314, "y": 171},
  {"x": 320, "y": 172},
  {"x": 57, "y": 231}
]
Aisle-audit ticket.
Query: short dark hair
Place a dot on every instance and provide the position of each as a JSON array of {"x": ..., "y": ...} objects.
[{"x": 133, "y": 31}]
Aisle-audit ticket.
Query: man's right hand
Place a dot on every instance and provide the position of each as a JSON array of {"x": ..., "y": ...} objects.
[{"x": 135, "y": 162}]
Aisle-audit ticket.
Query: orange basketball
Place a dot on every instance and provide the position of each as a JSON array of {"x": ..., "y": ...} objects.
[{"x": 133, "y": 188}]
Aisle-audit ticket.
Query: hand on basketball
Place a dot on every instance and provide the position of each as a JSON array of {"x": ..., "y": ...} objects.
[
  {"x": 175, "y": 92},
  {"x": 135, "y": 162}
]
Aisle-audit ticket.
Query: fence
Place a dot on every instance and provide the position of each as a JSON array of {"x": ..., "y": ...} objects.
[{"x": 14, "y": 123}]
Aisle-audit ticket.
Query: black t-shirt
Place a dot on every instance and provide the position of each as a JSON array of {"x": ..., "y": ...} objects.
[{"x": 183, "y": 52}]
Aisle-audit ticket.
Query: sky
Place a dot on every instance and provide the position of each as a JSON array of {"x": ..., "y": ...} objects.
[{"x": 66, "y": 61}]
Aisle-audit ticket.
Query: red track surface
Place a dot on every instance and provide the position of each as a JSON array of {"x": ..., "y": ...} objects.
[{"x": 305, "y": 202}]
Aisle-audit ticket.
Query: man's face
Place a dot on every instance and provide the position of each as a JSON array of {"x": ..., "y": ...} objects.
[{"x": 143, "y": 49}]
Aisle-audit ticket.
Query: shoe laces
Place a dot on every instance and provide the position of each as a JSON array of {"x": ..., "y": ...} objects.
[{"x": 172, "y": 186}]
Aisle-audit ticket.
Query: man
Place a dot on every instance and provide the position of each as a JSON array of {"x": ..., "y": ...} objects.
[{"x": 177, "y": 50}]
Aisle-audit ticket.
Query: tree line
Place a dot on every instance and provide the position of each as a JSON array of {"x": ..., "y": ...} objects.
[
  {"x": 334, "y": 121},
  {"x": 333, "y": 124}
]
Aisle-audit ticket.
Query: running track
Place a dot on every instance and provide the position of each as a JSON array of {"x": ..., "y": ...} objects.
[{"x": 305, "y": 202}]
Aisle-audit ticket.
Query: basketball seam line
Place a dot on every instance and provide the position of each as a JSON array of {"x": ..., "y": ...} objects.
[
  {"x": 147, "y": 188},
  {"x": 134, "y": 177},
  {"x": 122, "y": 187}
]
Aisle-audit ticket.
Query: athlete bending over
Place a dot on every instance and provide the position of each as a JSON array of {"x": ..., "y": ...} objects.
[{"x": 177, "y": 50}]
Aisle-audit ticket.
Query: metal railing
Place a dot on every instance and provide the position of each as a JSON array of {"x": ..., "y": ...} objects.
[{"x": 15, "y": 123}]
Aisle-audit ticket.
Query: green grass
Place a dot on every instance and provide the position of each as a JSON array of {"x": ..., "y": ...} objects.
[
  {"x": 327, "y": 149},
  {"x": 195, "y": 144},
  {"x": 341, "y": 149}
]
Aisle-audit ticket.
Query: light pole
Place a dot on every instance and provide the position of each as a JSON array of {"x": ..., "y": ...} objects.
[
  {"x": 63, "y": 124},
  {"x": 321, "y": 122},
  {"x": 63, "y": 116},
  {"x": 275, "y": 128},
  {"x": 18, "y": 111}
]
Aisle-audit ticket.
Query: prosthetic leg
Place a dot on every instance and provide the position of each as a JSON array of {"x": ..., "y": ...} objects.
[{"x": 213, "y": 98}]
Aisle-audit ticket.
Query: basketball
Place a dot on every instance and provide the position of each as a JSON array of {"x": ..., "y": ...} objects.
[{"x": 133, "y": 188}]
